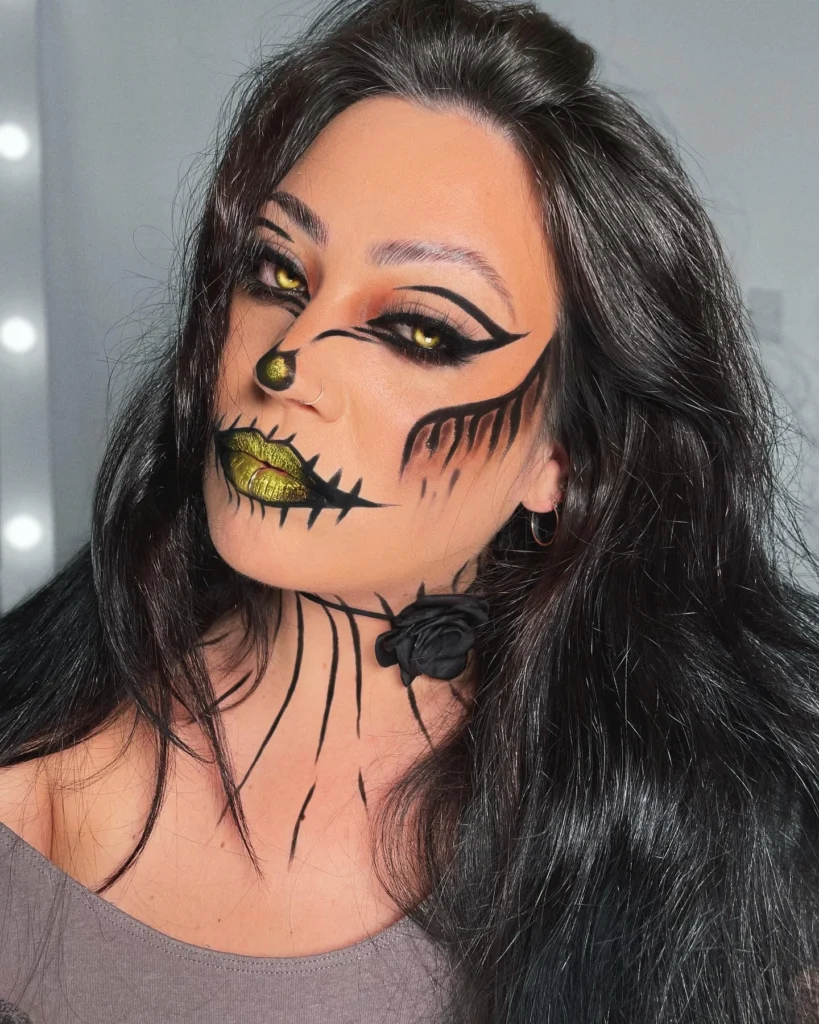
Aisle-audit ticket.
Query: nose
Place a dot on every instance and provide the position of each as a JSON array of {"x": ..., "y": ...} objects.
[
  {"x": 311, "y": 360},
  {"x": 306, "y": 365},
  {"x": 277, "y": 371}
]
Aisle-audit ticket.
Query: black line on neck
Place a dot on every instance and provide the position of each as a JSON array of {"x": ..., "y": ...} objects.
[
  {"x": 414, "y": 705},
  {"x": 299, "y": 820},
  {"x": 361, "y": 789},
  {"x": 356, "y": 637},
  {"x": 229, "y": 692},
  {"x": 331, "y": 682},
  {"x": 457, "y": 576},
  {"x": 342, "y": 607},
  {"x": 459, "y": 697}
]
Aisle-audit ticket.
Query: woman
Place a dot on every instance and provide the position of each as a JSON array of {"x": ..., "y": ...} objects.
[{"x": 433, "y": 656}]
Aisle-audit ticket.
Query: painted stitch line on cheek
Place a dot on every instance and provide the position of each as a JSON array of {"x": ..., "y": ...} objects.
[{"x": 273, "y": 473}]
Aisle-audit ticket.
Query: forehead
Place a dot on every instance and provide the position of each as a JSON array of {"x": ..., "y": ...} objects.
[{"x": 388, "y": 167}]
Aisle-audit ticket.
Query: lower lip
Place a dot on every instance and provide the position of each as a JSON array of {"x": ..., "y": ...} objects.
[{"x": 262, "y": 481}]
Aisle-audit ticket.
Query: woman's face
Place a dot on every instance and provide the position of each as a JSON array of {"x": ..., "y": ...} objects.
[{"x": 402, "y": 286}]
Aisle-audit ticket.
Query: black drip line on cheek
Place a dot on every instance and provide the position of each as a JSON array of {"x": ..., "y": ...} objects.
[{"x": 506, "y": 408}]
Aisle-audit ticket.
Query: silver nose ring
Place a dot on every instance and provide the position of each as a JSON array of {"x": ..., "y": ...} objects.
[{"x": 315, "y": 400}]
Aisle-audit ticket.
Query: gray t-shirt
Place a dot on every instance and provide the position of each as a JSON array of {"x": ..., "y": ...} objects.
[{"x": 69, "y": 956}]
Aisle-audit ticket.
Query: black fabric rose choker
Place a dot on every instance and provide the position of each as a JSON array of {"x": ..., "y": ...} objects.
[{"x": 432, "y": 636}]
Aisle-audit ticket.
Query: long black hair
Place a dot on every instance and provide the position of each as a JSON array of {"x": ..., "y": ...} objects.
[{"x": 625, "y": 827}]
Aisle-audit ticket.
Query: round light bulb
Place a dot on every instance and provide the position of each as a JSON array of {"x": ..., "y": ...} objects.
[
  {"x": 17, "y": 334},
  {"x": 14, "y": 141},
  {"x": 23, "y": 532}
]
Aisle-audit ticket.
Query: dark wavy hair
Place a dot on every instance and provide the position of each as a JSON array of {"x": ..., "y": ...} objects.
[{"x": 625, "y": 828}]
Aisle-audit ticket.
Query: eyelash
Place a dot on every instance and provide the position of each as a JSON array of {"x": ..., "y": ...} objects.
[{"x": 454, "y": 347}]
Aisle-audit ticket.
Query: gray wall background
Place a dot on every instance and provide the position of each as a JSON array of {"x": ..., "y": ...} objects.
[{"x": 129, "y": 97}]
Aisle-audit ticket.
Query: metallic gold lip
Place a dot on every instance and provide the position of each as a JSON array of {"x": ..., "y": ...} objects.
[
  {"x": 274, "y": 453},
  {"x": 275, "y": 473},
  {"x": 259, "y": 480}
]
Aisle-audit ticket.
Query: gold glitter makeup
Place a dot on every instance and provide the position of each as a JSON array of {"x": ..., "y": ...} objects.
[
  {"x": 267, "y": 470},
  {"x": 276, "y": 370},
  {"x": 275, "y": 474}
]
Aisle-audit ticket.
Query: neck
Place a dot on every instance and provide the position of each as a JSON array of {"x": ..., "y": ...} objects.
[
  {"x": 324, "y": 687},
  {"x": 325, "y": 648}
]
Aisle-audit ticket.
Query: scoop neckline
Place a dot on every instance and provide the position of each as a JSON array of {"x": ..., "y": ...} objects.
[{"x": 187, "y": 950}]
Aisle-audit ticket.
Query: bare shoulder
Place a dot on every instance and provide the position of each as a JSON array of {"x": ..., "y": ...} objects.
[
  {"x": 25, "y": 802},
  {"x": 33, "y": 793}
]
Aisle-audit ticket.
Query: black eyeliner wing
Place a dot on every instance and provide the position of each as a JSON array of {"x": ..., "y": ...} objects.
[{"x": 499, "y": 336}]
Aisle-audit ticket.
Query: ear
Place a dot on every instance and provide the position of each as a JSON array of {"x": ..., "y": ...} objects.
[{"x": 546, "y": 480}]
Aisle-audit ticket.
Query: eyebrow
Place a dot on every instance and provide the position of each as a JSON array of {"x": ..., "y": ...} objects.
[{"x": 391, "y": 252}]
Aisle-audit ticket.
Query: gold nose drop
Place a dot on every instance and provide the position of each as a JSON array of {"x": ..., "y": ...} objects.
[{"x": 276, "y": 370}]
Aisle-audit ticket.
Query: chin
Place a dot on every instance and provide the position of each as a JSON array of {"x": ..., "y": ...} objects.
[
  {"x": 292, "y": 558},
  {"x": 254, "y": 549}
]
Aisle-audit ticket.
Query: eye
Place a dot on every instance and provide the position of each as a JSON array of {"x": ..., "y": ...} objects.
[
  {"x": 425, "y": 338},
  {"x": 270, "y": 274},
  {"x": 418, "y": 335},
  {"x": 285, "y": 280}
]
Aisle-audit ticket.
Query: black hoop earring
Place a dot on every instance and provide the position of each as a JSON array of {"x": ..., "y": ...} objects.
[{"x": 533, "y": 528}]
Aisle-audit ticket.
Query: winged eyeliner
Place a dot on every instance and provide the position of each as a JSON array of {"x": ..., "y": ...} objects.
[{"x": 500, "y": 336}]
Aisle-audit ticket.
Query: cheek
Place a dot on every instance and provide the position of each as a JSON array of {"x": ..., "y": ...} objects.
[
  {"x": 448, "y": 476},
  {"x": 438, "y": 510},
  {"x": 252, "y": 331}
]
